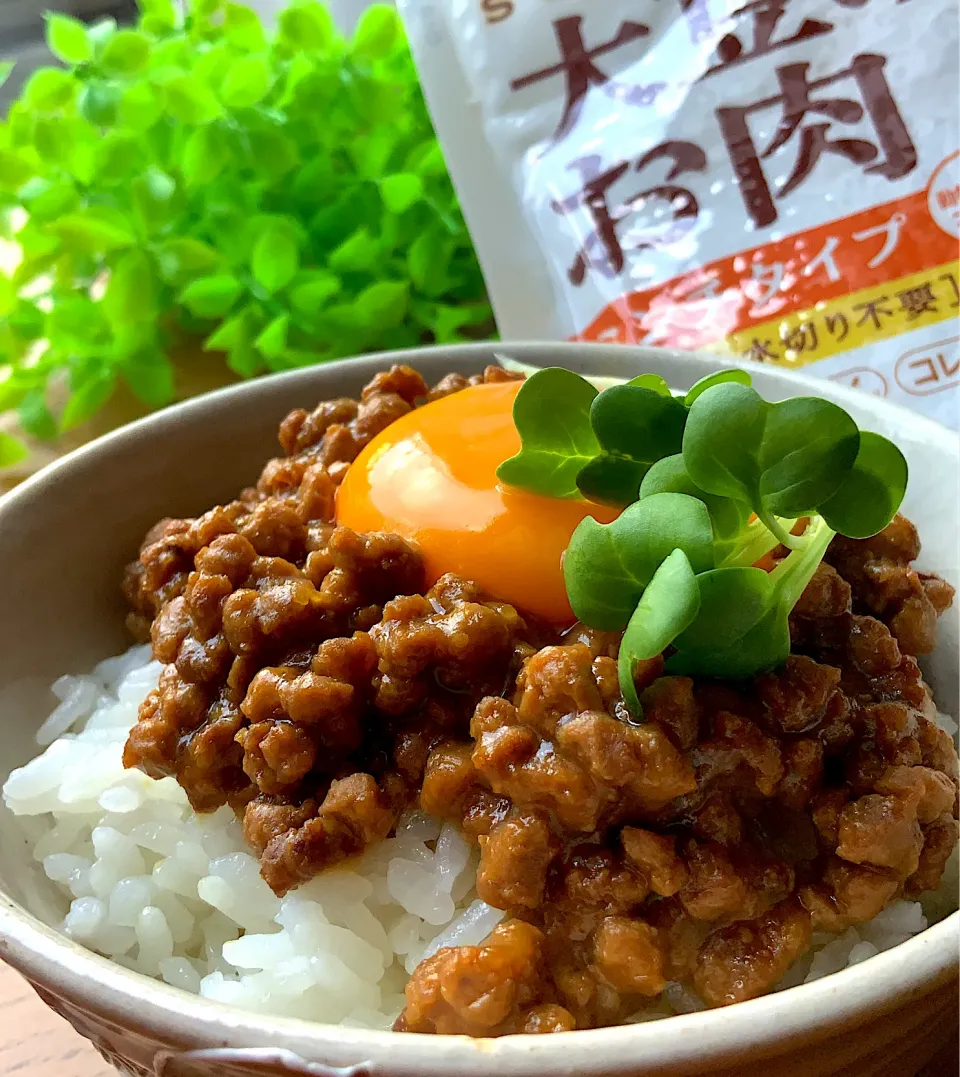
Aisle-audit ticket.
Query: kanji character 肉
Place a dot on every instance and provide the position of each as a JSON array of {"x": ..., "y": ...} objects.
[{"x": 893, "y": 157}]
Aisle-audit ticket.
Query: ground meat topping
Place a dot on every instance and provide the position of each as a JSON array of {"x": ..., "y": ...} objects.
[{"x": 313, "y": 684}]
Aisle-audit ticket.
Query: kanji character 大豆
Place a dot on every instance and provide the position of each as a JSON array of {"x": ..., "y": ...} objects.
[
  {"x": 760, "y": 351},
  {"x": 873, "y": 311},
  {"x": 800, "y": 338},
  {"x": 951, "y": 279},
  {"x": 917, "y": 301},
  {"x": 602, "y": 249},
  {"x": 891, "y": 236},
  {"x": 796, "y": 101},
  {"x": 825, "y": 258},
  {"x": 765, "y": 282},
  {"x": 765, "y": 16},
  {"x": 837, "y": 324},
  {"x": 577, "y": 66}
]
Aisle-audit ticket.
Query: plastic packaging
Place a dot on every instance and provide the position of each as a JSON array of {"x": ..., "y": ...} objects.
[{"x": 779, "y": 179}]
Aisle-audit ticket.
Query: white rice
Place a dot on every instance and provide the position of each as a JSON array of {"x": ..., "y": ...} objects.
[{"x": 177, "y": 896}]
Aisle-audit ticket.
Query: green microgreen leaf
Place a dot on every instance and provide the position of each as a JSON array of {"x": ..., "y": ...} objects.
[
  {"x": 732, "y": 602},
  {"x": 670, "y": 474},
  {"x": 870, "y": 495},
  {"x": 653, "y": 382},
  {"x": 607, "y": 566},
  {"x": 668, "y": 606},
  {"x": 782, "y": 459},
  {"x": 635, "y": 427},
  {"x": 552, "y": 415},
  {"x": 718, "y": 377}
]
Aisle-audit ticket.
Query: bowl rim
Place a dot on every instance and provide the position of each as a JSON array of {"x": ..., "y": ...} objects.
[{"x": 767, "y": 1024}]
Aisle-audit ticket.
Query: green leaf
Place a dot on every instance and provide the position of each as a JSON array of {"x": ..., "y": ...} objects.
[
  {"x": 204, "y": 155},
  {"x": 668, "y": 606},
  {"x": 211, "y": 297},
  {"x": 307, "y": 26},
  {"x": 100, "y": 32},
  {"x": 87, "y": 399},
  {"x": 185, "y": 257},
  {"x": 428, "y": 262},
  {"x": 276, "y": 257},
  {"x": 552, "y": 415},
  {"x": 232, "y": 333},
  {"x": 783, "y": 459},
  {"x": 719, "y": 377},
  {"x": 310, "y": 291},
  {"x": 400, "y": 191},
  {"x": 188, "y": 100},
  {"x": 607, "y": 566},
  {"x": 384, "y": 303},
  {"x": 139, "y": 108},
  {"x": 245, "y": 360},
  {"x": 722, "y": 439},
  {"x": 150, "y": 376},
  {"x": 669, "y": 475},
  {"x": 15, "y": 169},
  {"x": 91, "y": 231},
  {"x": 732, "y": 602},
  {"x": 376, "y": 34},
  {"x": 67, "y": 39},
  {"x": 12, "y": 450},
  {"x": 272, "y": 154},
  {"x": 49, "y": 89},
  {"x": 153, "y": 199},
  {"x": 653, "y": 382},
  {"x": 635, "y": 427},
  {"x": 131, "y": 290},
  {"x": 161, "y": 14},
  {"x": 241, "y": 27},
  {"x": 808, "y": 446},
  {"x": 272, "y": 342},
  {"x": 35, "y": 417},
  {"x": 247, "y": 82},
  {"x": 764, "y": 647},
  {"x": 871, "y": 494},
  {"x": 126, "y": 53},
  {"x": 361, "y": 251}
]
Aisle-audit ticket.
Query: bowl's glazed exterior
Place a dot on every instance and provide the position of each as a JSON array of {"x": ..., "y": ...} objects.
[{"x": 64, "y": 536}]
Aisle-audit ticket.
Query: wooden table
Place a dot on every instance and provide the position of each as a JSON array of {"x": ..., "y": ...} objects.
[{"x": 34, "y": 1042}]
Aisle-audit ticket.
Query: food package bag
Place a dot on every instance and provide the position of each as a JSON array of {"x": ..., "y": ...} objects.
[{"x": 774, "y": 179}]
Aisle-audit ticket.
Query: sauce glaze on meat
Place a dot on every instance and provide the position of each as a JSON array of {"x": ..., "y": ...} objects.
[{"x": 313, "y": 683}]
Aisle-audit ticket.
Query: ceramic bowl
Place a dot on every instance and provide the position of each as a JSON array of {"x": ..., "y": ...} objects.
[{"x": 64, "y": 536}]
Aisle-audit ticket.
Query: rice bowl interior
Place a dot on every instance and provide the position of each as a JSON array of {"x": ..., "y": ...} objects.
[{"x": 139, "y": 877}]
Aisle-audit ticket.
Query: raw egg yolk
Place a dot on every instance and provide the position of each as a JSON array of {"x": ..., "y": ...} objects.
[{"x": 431, "y": 476}]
